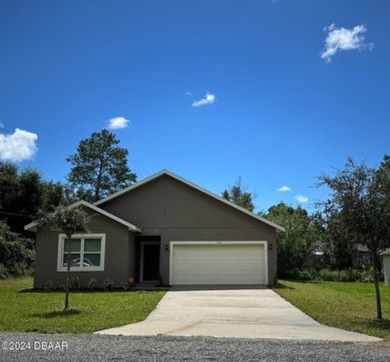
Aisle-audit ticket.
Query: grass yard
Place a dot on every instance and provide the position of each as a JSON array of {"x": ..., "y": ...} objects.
[
  {"x": 349, "y": 306},
  {"x": 27, "y": 311}
]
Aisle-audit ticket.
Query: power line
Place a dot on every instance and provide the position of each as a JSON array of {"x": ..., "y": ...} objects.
[{"x": 15, "y": 214}]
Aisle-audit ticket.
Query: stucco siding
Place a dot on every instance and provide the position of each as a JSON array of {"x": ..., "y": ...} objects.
[
  {"x": 164, "y": 207},
  {"x": 168, "y": 203},
  {"x": 119, "y": 255},
  {"x": 177, "y": 212},
  {"x": 217, "y": 234}
]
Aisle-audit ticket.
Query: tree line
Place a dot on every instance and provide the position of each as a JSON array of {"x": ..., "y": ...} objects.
[
  {"x": 98, "y": 168},
  {"x": 356, "y": 213}
]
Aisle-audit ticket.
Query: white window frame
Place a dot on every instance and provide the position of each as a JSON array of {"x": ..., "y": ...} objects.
[{"x": 61, "y": 241}]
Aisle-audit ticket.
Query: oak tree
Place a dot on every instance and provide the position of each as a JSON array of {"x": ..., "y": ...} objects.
[{"x": 360, "y": 199}]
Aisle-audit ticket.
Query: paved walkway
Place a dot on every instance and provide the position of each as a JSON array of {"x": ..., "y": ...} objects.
[{"x": 250, "y": 313}]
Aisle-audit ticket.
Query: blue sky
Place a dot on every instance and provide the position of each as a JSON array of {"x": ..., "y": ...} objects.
[{"x": 274, "y": 91}]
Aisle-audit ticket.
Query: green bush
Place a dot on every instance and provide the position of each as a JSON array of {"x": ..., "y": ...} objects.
[
  {"x": 3, "y": 272},
  {"x": 49, "y": 286},
  {"x": 328, "y": 275},
  {"x": 348, "y": 275},
  {"x": 125, "y": 286},
  {"x": 366, "y": 276},
  {"x": 305, "y": 274},
  {"x": 75, "y": 283},
  {"x": 297, "y": 274},
  {"x": 108, "y": 284},
  {"x": 92, "y": 284},
  {"x": 16, "y": 253}
]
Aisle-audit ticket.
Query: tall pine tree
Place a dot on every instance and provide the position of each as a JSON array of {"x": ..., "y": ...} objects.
[{"x": 99, "y": 168}]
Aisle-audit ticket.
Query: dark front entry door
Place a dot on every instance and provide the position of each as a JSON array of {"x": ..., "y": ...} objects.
[{"x": 151, "y": 261}]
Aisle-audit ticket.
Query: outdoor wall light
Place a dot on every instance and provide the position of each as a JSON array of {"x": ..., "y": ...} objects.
[
  {"x": 166, "y": 247},
  {"x": 270, "y": 247}
]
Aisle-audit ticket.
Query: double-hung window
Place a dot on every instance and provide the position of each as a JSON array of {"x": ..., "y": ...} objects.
[{"x": 86, "y": 252}]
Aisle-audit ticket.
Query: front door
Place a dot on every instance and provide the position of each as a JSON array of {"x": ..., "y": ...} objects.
[{"x": 150, "y": 261}]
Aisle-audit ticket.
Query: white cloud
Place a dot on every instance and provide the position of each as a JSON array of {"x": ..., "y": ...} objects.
[
  {"x": 207, "y": 99},
  {"x": 118, "y": 123},
  {"x": 2, "y": 125},
  {"x": 342, "y": 39},
  {"x": 284, "y": 189},
  {"x": 18, "y": 146},
  {"x": 188, "y": 93},
  {"x": 301, "y": 198}
]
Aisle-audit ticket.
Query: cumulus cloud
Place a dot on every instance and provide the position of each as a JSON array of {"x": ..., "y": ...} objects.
[
  {"x": 284, "y": 189},
  {"x": 18, "y": 146},
  {"x": 118, "y": 123},
  {"x": 301, "y": 198},
  {"x": 342, "y": 39},
  {"x": 209, "y": 98}
]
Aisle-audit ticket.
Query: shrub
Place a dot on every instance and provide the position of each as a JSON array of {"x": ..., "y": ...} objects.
[
  {"x": 92, "y": 284},
  {"x": 48, "y": 287},
  {"x": 74, "y": 282},
  {"x": 3, "y": 272},
  {"x": 16, "y": 253},
  {"x": 125, "y": 286},
  {"x": 348, "y": 275},
  {"x": 305, "y": 275},
  {"x": 366, "y": 275},
  {"x": 19, "y": 269},
  {"x": 328, "y": 275},
  {"x": 297, "y": 274},
  {"x": 108, "y": 284},
  {"x": 61, "y": 287}
]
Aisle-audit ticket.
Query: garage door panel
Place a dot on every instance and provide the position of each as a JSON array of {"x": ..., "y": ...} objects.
[{"x": 218, "y": 264}]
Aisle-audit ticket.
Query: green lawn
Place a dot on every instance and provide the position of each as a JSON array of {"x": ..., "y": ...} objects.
[
  {"x": 348, "y": 306},
  {"x": 22, "y": 310}
]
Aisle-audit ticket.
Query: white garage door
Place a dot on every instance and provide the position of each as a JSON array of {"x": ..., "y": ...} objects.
[{"x": 218, "y": 263}]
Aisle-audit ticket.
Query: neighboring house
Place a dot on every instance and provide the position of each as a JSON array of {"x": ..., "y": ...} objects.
[
  {"x": 361, "y": 257},
  {"x": 162, "y": 229},
  {"x": 319, "y": 248},
  {"x": 386, "y": 266}
]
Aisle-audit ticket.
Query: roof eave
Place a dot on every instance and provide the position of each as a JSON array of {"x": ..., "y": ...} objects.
[{"x": 33, "y": 226}]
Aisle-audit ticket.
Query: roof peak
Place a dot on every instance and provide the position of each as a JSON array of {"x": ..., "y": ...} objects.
[
  {"x": 191, "y": 184},
  {"x": 33, "y": 225}
]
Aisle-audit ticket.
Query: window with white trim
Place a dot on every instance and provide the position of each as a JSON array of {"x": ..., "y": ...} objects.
[{"x": 86, "y": 252}]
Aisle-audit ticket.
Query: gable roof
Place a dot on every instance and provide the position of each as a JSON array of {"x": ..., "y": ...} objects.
[
  {"x": 194, "y": 186},
  {"x": 32, "y": 226}
]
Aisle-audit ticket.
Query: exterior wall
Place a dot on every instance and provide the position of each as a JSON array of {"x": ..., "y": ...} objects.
[
  {"x": 386, "y": 268},
  {"x": 119, "y": 255},
  {"x": 177, "y": 212}
]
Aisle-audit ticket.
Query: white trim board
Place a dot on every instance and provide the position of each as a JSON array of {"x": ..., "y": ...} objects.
[{"x": 32, "y": 226}]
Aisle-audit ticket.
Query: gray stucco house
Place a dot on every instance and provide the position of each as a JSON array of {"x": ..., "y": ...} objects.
[{"x": 163, "y": 229}]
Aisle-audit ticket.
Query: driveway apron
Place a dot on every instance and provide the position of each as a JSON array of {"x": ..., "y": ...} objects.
[{"x": 248, "y": 313}]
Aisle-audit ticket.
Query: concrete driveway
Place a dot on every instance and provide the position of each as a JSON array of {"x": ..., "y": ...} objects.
[{"x": 249, "y": 313}]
